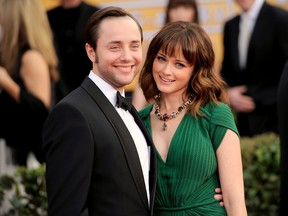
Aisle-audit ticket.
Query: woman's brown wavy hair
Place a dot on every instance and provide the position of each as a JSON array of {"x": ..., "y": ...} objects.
[{"x": 206, "y": 85}]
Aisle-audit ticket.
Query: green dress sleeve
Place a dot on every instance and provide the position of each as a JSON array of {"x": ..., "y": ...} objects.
[{"x": 221, "y": 118}]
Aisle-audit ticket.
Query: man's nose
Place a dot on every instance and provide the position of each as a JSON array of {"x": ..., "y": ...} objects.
[{"x": 126, "y": 54}]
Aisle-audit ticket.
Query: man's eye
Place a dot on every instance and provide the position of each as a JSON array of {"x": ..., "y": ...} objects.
[
  {"x": 135, "y": 46},
  {"x": 114, "y": 47}
]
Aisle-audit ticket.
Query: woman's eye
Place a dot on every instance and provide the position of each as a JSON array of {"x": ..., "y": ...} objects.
[
  {"x": 161, "y": 59},
  {"x": 179, "y": 65}
]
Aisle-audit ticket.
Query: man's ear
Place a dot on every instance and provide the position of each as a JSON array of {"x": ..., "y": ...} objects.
[{"x": 90, "y": 52}]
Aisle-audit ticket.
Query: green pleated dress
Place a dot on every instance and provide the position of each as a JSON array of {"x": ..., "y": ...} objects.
[{"x": 187, "y": 180}]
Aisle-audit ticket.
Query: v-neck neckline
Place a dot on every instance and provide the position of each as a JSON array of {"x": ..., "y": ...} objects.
[{"x": 172, "y": 140}]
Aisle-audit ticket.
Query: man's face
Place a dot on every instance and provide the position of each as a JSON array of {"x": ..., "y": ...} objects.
[{"x": 118, "y": 54}]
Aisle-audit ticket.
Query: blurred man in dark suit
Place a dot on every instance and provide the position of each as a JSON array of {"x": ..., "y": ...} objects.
[
  {"x": 283, "y": 128},
  {"x": 255, "y": 51},
  {"x": 67, "y": 22}
]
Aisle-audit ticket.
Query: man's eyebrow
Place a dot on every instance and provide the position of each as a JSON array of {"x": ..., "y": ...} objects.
[
  {"x": 113, "y": 42},
  {"x": 118, "y": 41}
]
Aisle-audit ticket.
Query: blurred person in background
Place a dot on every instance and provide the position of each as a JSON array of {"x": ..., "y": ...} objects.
[
  {"x": 182, "y": 10},
  {"x": 28, "y": 67},
  {"x": 282, "y": 102},
  {"x": 255, "y": 51},
  {"x": 176, "y": 10},
  {"x": 67, "y": 22}
]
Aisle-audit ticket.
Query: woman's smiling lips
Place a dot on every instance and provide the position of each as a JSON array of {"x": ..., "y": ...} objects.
[{"x": 166, "y": 80}]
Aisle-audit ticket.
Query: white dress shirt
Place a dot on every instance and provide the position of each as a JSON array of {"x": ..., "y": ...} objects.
[
  {"x": 140, "y": 142},
  {"x": 246, "y": 26}
]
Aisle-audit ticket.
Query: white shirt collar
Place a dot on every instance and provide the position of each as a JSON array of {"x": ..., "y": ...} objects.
[
  {"x": 105, "y": 87},
  {"x": 253, "y": 12}
]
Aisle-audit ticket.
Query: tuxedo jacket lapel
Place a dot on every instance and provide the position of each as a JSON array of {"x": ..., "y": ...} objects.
[
  {"x": 234, "y": 33},
  {"x": 153, "y": 159},
  {"x": 123, "y": 134},
  {"x": 257, "y": 34}
]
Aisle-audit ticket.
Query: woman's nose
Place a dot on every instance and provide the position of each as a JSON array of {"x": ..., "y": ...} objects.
[{"x": 166, "y": 68}]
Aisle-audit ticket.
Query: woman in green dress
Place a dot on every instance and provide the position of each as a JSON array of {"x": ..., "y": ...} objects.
[{"x": 192, "y": 126}]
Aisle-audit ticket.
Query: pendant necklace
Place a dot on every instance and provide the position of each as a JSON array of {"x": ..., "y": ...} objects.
[{"x": 165, "y": 117}]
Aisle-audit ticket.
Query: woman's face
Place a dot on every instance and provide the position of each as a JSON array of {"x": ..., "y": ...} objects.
[
  {"x": 172, "y": 73},
  {"x": 182, "y": 13}
]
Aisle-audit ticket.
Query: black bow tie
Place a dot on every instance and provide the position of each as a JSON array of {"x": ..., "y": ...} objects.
[{"x": 122, "y": 102}]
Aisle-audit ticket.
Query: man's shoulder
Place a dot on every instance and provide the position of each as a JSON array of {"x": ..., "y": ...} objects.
[
  {"x": 54, "y": 15},
  {"x": 271, "y": 9},
  {"x": 90, "y": 9},
  {"x": 54, "y": 10},
  {"x": 232, "y": 20},
  {"x": 275, "y": 15}
]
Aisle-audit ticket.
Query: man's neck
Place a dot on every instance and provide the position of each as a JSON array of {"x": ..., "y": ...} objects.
[{"x": 67, "y": 4}]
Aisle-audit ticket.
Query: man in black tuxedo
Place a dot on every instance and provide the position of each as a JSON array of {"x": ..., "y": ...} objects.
[
  {"x": 67, "y": 22},
  {"x": 99, "y": 157},
  {"x": 255, "y": 51},
  {"x": 282, "y": 103}
]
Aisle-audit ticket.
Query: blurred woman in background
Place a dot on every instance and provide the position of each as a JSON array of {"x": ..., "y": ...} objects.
[
  {"x": 28, "y": 67},
  {"x": 182, "y": 10}
]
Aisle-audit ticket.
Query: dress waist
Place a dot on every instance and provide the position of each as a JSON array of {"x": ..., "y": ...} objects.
[{"x": 183, "y": 208}]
